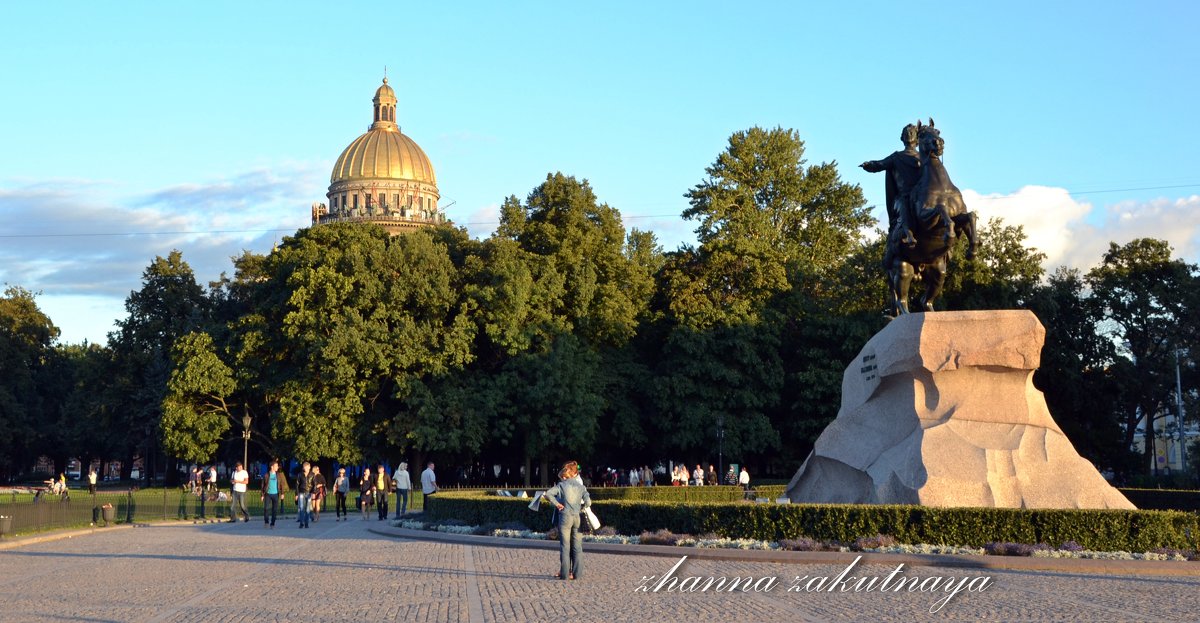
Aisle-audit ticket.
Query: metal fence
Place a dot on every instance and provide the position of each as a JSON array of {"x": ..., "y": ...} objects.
[{"x": 25, "y": 511}]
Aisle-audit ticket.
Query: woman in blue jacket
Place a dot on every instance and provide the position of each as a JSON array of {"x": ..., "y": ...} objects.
[{"x": 570, "y": 497}]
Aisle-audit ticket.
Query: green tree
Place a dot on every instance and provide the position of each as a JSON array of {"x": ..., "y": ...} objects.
[
  {"x": 342, "y": 318},
  {"x": 726, "y": 378},
  {"x": 1081, "y": 388},
  {"x": 1005, "y": 273},
  {"x": 555, "y": 402},
  {"x": 197, "y": 411},
  {"x": 766, "y": 224},
  {"x": 85, "y": 425},
  {"x": 169, "y": 305},
  {"x": 26, "y": 338},
  {"x": 759, "y": 304},
  {"x": 577, "y": 245},
  {"x": 558, "y": 289},
  {"x": 1146, "y": 299}
]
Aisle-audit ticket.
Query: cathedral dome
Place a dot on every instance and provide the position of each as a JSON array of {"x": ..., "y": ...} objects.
[
  {"x": 383, "y": 176},
  {"x": 385, "y": 91},
  {"x": 383, "y": 154}
]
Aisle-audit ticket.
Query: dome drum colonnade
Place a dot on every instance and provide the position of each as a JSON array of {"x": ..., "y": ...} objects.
[{"x": 382, "y": 177}]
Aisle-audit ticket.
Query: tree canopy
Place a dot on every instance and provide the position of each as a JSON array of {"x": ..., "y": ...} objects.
[{"x": 566, "y": 336}]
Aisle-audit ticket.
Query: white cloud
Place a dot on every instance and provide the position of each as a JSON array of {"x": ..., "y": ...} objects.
[
  {"x": 672, "y": 232},
  {"x": 1073, "y": 233},
  {"x": 1175, "y": 220},
  {"x": 86, "y": 251},
  {"x": 482, "y": 221},
  {"x": 1047, "y": 214}
]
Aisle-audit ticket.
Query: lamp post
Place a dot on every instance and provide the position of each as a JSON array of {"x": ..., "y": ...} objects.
[
  {"x": 720, "y": 448},
  {"x": 246, "y": 441},
  {"x": 1179, "y": 417}
]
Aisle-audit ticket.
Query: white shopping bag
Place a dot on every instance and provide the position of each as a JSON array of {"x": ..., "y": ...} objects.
[
  {"x": 592, "y": 519},
  {"x": 537, "y": 502}
]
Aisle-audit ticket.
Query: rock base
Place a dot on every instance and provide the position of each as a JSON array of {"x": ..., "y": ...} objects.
[{"x": 940, "y": 409}]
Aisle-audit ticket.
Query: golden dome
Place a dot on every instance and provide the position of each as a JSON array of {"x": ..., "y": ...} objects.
[
  {"x": 383, "y": 153},
  {"x": 383, "y": 177},
  {"x": 384, "y": 92}
]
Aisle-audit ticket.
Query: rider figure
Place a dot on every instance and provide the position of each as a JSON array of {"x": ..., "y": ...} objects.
[{"x": 904, "y": 172}]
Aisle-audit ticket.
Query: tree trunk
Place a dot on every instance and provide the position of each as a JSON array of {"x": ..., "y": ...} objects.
[
  {"x": 1148, "y": 449},
  {"x": 127, "y": 465},
  {"x": 60, "y": 464},
  {"x": 544, "y": 477},
  {"x": 171, "y": 478}
]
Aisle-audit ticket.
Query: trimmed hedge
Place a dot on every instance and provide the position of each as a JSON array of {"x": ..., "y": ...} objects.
[
  {"x": 1104, "y": 530},
  {"x": 723, "y": 493},
  {"x": 1163, "y": 499}
]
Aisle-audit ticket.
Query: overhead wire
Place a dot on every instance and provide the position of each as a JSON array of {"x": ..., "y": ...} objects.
[{"x": 217, "y": 232}]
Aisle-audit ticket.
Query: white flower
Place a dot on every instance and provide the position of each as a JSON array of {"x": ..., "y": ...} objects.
[
  {"x": 619, "y": 539},
  {"x": 728, "y": 543},
  {"x": 925, "y": 548},
  {"x": 456, "y": 529}
]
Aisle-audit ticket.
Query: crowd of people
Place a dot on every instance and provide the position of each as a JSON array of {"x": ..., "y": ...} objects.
[
  {"x": 309, "y": 490},
  {"x": 680, "y": 476}
]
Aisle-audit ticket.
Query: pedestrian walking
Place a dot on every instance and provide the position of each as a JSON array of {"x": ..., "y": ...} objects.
[
  {"x": 201, "y": 492},
  {"x": 341, "y": 487},
  {"x": 570, "y": 497},
  {"x": 92, "y": 480},
  {"x": 403, "y": 483},
  {"x": 383, "y": 488},
  {"x": 273, "y": 485},
  {"x": 240, "y": 480},
  {"x": 364, "y": 493},
  {"x": 304, "y": 487},
  {"x": 318, "y": 493}
]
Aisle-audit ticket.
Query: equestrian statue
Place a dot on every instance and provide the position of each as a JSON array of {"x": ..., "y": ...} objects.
[{"x": 926, "y": 214}]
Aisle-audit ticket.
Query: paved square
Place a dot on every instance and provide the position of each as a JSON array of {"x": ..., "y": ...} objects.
[{"x": 341, "y": 572}]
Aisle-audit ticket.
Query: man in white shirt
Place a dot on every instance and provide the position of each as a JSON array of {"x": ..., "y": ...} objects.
[
  {"x": 744, "y": 479},
  {"x": 429, "y": 481},
  {"x": 240, "y": 479}
]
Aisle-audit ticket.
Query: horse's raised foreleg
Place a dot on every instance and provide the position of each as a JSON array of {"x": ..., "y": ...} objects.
[
  {"x": 966, "y": 223},
  {"x": 945, "y": 214},
  {"x": 934, "y": 276}
]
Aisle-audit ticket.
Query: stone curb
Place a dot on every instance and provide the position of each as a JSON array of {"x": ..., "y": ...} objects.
[
  {"x": 1005, "y": 563},
  {"x": 59, "y": 535},
  {"x": 45, "y": 537}
]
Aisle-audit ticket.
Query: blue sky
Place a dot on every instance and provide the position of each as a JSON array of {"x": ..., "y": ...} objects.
[{"x": 1074, "y": 119}]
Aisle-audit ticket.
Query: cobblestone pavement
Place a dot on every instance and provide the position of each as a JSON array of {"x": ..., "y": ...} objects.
[{"x": 341, "y": 572}]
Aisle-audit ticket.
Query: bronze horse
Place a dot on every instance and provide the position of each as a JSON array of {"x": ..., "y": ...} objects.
[{"x": 936, "y": 214}]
